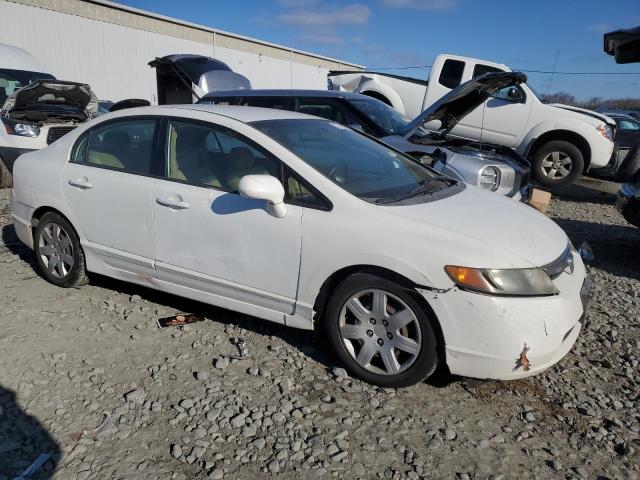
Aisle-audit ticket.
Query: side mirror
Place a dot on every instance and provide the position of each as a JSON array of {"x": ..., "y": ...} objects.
[
  {"x": 514, "y": 94},
  {"x": 267, "y": 188}
]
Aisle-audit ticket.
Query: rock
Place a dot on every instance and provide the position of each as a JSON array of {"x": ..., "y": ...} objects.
[
  {"x": 176, "y": 451},
  {"x": 449, "y": 434},
  {"x": 221, "y": 363},
  {"x": 274, "y": 466},
  {"x": 135, "y": 396},
  {"x": 202, "y": 376},
  {"x": 186, "y": 403},
  {"x": 339, "y": 372},
  {"x": 216, "y": 474}
]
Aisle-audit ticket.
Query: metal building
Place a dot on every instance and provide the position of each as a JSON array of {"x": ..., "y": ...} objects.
[{"x": 108, "y": 46}]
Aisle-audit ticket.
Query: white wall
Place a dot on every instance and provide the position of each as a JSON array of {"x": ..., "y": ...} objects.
[{"x": 113, "y": 59}]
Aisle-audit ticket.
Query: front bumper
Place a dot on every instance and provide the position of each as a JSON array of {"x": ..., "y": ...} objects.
[
  {"x": 628, "y": 203},
  {"x": 9, "y": 155},
  {"x": 485, "y": 335}
]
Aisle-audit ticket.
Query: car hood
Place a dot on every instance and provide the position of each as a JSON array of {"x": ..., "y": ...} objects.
[
  {"x": 53, "y": 92},
  {"x": 483, "y": 230},
  {"x": 599, "y": 117},
  {"x": 462, "y": 100}
]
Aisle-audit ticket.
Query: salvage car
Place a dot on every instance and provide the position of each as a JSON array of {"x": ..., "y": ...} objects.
[
  {"x": 305, "y": 222},
  {"x": 497, "y": 169},
  {"x": 625, "y": 162},
  {"x": 561, "y": 141}
]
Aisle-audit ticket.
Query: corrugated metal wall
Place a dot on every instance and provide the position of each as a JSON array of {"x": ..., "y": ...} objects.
[{"x": 113, "y": 58}]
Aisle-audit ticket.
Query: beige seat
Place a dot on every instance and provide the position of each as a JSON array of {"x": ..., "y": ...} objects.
[
  {"x": 189, "y": 158},
  {"x": 241, "y": 162},
  {"x": 112, "y": 147}
]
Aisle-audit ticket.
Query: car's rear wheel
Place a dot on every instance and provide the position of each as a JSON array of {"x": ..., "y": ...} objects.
[
  {"x": 380, "y": 332},
  {"x": 58, "y": 251},
  {"x": 557, "y": 164},
  {"x": 6, "y": 179}
]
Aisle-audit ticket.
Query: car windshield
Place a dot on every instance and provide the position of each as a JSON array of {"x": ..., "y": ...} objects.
[
  {"x": 389, "y": 120},
  {"x": 359, "y": 164},
  {"x": 12, "y": 80}
]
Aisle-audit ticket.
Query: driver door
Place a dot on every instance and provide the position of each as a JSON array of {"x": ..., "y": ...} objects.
[
  {"x": 505, "y": 116},
  {"x": 210, "y": 238}
]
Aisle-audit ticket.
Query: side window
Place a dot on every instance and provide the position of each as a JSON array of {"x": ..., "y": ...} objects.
[
  {"x": 79, "y": 153},
  {"x": 278, "y": 103},
  {"x": 123, "y": 145},
  {"x": 629, "y": 125},
  {"x": 482, "y": 69},
  {"x": 451, "y": 73},
  {"x": 323, "y": 108},
  {"x": 300, "y": 192},
  {"x": 214, "y": 156}
]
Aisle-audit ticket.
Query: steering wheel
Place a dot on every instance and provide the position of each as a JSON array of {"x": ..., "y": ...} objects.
[{"x": 339, "y": 172}]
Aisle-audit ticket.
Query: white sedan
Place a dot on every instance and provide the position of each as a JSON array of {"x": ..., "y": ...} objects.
[{"x": 301, "y": 221}]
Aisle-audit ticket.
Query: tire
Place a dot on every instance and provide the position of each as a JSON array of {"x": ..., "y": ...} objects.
[
  {"x": 58, "y": 252},
  {"x": 6, "y": 179},
  {"x": 552, "y": 159},
  {"x": 410, "y": 351}
]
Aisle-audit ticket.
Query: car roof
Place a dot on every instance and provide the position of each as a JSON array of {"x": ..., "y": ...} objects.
[
  {"x": 284, "y": 93},
  {"x": 244, "y": 114}
]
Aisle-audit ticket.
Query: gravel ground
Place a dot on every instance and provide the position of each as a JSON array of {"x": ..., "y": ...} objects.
[{"x": 184, "y": 405}]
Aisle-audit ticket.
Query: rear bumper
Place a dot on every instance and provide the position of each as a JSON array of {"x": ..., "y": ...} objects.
[
  {"x": 9, "y": 155},
  {"x": 21, "y": 215}
]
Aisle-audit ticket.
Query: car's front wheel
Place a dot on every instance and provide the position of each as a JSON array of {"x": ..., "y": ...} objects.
[
  {"x": 58, "y": 251},
  {"x": 557, "y": 164},
  {"x": 380, "y": 332}
]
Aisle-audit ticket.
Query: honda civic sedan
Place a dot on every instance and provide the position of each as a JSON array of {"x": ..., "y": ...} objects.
[{"x": 304, "y": 222}]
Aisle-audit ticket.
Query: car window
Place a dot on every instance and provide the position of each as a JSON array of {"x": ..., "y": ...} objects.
[
  {"x": 278, "y": 103},
  {"x": 123, "y": 145},
  {"x": 629, "y": 125},
  {"x": 213, "y": 156},
  {"x": 300, "y": 192},
  {"x": 451, "y": 73},
  {"x": 480, "y": 69},
  {"x": 331, "y": 110}
]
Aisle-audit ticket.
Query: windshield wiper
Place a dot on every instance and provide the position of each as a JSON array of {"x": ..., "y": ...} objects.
[{"x": 423, "y": 188}]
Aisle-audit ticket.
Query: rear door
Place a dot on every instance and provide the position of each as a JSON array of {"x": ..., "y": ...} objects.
[{"x": 109, "y": 183}]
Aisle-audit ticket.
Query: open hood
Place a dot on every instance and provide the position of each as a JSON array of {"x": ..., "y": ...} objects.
[
  {"x": 462, "y": 100},
  {"x": 56, "y": 93},
  {"x": 181, "y": 76}
]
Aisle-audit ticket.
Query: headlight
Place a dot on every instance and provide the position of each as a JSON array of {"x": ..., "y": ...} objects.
[
  {"x": 523, "y": 282},
  {"x": 490, "y": 178},
  {"x": 21, "y": 129},
  {"x": 605, "y": 131}
]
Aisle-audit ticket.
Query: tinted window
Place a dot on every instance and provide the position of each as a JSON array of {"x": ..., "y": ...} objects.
[
  {"x": 628, "y": 125},
  {"x": 214, "y": 156},
  {"x": 124, "y": 145},
  {"x": 278, "y": 103},
  {"x": 482, "y": 69},
  {"x": 386, "y": 118},
  {"x": 332, "y": 110},
  {"x": 360, "y": 165},
  {"x": 300, "y": 192},
  {"x": 451, "y": 73}
]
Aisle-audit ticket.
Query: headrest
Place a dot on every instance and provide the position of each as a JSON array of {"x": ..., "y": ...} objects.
[{"x": 242, "y": 157}]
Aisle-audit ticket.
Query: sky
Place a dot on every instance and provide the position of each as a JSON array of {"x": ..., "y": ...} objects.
[{"x": 525, "y": 35}]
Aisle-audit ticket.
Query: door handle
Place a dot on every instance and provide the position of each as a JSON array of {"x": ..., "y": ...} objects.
[
  {"x": 173, "y": 202},
  {"x": 82, "y": 183}
]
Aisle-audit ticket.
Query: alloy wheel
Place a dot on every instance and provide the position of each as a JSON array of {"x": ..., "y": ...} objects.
[
  {"x": 56, "y": 250},
  {"x": 380, "y": 332},
  {"x": 557, "y": 165}
]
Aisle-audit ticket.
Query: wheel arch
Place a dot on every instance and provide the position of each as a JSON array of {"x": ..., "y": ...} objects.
[
  {"x": 39, "y": 212},
  {"x": 338, "y": 276},
  {"x": 569, "y": 136}
]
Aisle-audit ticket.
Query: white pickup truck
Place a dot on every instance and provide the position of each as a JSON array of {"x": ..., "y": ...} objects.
[{"x": 562, "y": 142}]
